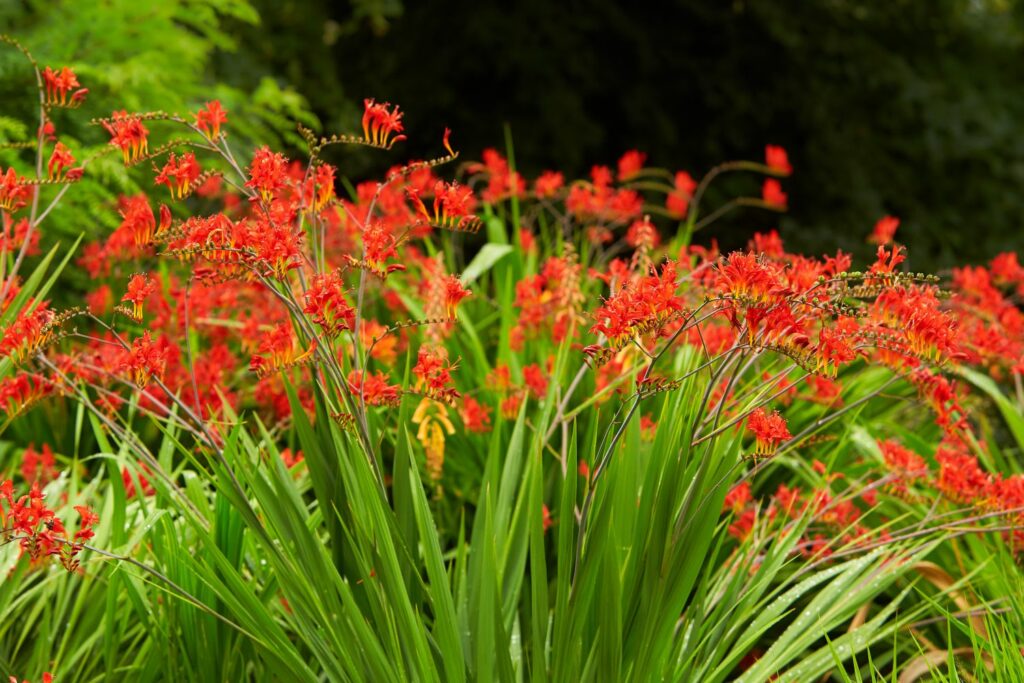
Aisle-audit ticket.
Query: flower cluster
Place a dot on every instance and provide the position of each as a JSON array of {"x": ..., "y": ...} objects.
[
  {"x": 59, "y": 83},
  {"x": 38, "y": 531}
]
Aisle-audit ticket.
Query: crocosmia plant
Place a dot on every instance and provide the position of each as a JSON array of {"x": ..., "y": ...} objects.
[{"x": 453, "y": 423}]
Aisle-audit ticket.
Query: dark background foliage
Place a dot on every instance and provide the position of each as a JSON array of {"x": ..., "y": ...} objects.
[{"x": 909, "y": 107}]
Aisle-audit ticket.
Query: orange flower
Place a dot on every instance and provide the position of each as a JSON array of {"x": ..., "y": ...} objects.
[
  {"x": 381, "y": 124},
  {"x": 14, "y": 193},
  {"x": 630, "y": 164},
  {"x": 127, "y": 134},
  {"x": 266, "y": 173},
  {"x": 454, "y": 292},
  {"x": 183, "y": 171},
  {"x": 748, "y": 278},
  {"x": 375, "y": 389},
  {"x": 678, "y": 201},
  {"x": 326, "y": 304},
  {"x": 772, "y": 194},
  {"x": 279, "y": 351},
  {"x": 769, "y": 430},
  {"x": 22, "y": 391},
  {"x": 60, "y": 159},
  {"x": 885, "y": 230},
  {"x": 140, "y": 287},
  {"x": 59, "y": 83},
  {"x": 319, "y": 188},
  {"x": 548, "y": 184},
  {"x": 777, "y": 160},
  {"x": 433, "y": 371},
  {"x": 144, "y": 361},
  {"x": 210, "y": 118},
  {"x": 475, "y": 416}
]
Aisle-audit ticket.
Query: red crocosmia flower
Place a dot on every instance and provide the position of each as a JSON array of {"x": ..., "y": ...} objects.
[
  {"x": 630, "y": 164},
  {"x": 145, "y": 484},
  {"x": 787, "y": 500},
  {"x": 446, "y": 141},
  {"x": 747, "y": 278},
  {"x": 138, "y": 224},
  {"x": 59, "y": 83},
  {"x": 548, "y": 184},
  {"x": 59, "y": 160},
  {"x": 545, "y": 517},
  {"x": 737, "y": 497},
  {"x": 38, "y": 467},
  {"x": 885, "y": 230},
  {"x": 14, "y": 193},
  {"x": 776, "y": 159},
  {"x": 381, "y": 124},
  {"x": 583, "y": 469},
  {"x": 769, "y": 430},
  {"x": 144, "y": 361},
  {"x": 475, "y": 415},
  {"x": 30, "y": 332},
  {"x": 127, "y": 134},
  {"x": 274, "y": 246},
  {"x": 678, "y": 201},
  {"x": 433, "y": 371},
  {"x": 601, "y": 176},
  {"x": 536, "y": 380},
  {"x": 502, "y": 182},
  {"x": 931, "y": 333},
  {"x": 640, "y": 307},
  {"x": 89, "y": 519},
  {"x": 643, "y": 234},
  {"x": 452, "y": 204},
  {"x": 825, "y": 391},
  {"x": 375, "y": 390},
  {"x": 291, "y": 459},
  {"x": 178, "y": 174},
  {"x": 210, "y": 118},
  {"x": 960, "y": 477},
  {"x": 379, "y": 244},
  {"x": 14, "y": 238},
  {"x": 527, "y": 240},
  {"x": 20, "y": 392},
  {"x": 38, "y": 529},
  {"x": 140, "y": 287},
  {"x": 278, "y": 351},
  {"x": 648, "y": 428},
  {"x": 454, "y": 292},
  {"x": 888, "y": 260},
  {"x": 510, "y": 405},
  {"x": 769, "y": 244},
  {"x": 1007, "y": 270},
  {"x": 47, "y": 678},
  {"x": 327, "y": 306},
  {"x": 500, "y": 378},
  {"x": 776, "y": 324},
  {"x": 48, "y": 131},
  {"x": 743, "y": 524},
  {"x": 906, "y": 465},
  {"x": 267, "y": 173},
  {"x": 382, "y": 345},
  {"x": 212, "y": 186},
  {"x": 772, "y": 194},
  {"x": 319, "y": 188},
  {"x": 833, "y": 350}
]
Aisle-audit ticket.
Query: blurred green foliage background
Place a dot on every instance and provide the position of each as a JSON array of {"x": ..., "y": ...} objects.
[{"x": 908, "y": 107}]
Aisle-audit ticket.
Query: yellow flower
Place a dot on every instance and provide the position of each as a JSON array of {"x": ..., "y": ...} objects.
[{"x": 432, "y": 418}]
